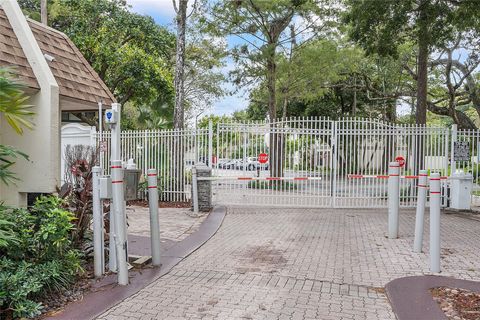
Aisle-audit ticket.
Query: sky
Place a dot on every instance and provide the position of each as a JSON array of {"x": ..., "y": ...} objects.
[{"x": 163, "y": 13}]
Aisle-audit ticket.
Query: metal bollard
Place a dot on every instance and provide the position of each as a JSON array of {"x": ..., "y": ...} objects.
[
  {"x": 120, "y": 237},
  {"x": 420, "y": 214},
  {"x": 393, "y": 199},
  {"x": 154, "y": 225},
  {"x": 98, "y": 245},
  {"x": 195, "y": 190},
  {"x": 435, "y": 222}
]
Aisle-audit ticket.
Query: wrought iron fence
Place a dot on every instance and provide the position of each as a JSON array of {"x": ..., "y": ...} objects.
[{"x": 327, "y": 151}]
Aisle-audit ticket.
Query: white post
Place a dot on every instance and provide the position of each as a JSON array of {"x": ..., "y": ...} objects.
[
  {"x": 98, "y": 250},
  {"x": 100, "y": 134},
  {"x": 114, "y": 155},
  {"x": 420, "y": 214},
  {"x": 435, "y": 222},
  {"x": 210, "y": 143},
  {"x": 120, "y": 236},
  {"x": 393, "y": 199},
  {"x": 154, "y": 225},
  {"x": 453, "y": 163},
  {"x": 194, "y": 189}
]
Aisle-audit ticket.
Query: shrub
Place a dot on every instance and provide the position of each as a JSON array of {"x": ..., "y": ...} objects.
[{"x": 39, "y": 257}]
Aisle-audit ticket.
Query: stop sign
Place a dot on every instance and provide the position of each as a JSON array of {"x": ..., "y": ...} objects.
[
  {"x": 263, "y": 158},
  {"x": 400, "y": 160}
]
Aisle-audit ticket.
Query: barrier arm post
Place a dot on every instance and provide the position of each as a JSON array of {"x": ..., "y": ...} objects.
[
  {"x": 154, "y": 224},
  {"x": 420, "y": 213},
  {"x": 393, "y": 199},
  {"x": 435, "y": 222}
]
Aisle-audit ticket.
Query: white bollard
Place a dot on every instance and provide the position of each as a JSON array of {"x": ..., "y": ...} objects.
[
  {"x": 420, "y": 214},
  {"x": 98, "y": 249},
  {"x": 435, "y": 222},
  {"x": 393, "y": 199},
  {"x": 154, "y": 225},
  {"x": 120, "y": 227},
  {"x": 195, "y": 190}
]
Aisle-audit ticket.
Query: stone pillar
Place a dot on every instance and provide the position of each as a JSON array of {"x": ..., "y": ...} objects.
[{"x": 204, "y": 188}]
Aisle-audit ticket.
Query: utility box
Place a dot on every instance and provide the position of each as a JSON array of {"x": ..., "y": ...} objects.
[
  {"x": 131, "y": 180},
  {"x": 105, "y": 187},
  {"x": 461, "y": 190}
]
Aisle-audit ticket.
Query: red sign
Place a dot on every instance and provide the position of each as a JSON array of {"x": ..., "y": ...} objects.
[
  {"x": 400, "y": 160},
  {"x": 263, "y": 158}
]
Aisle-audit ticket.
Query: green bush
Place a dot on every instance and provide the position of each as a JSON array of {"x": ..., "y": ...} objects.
[{"x": 39, "y": 257}]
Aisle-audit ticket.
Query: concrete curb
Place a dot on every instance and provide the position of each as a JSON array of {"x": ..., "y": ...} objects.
[
  {"x": 411, "y": 299},
  {"x": 109, "y": 295}
]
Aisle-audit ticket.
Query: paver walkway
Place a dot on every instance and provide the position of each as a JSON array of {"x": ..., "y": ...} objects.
[{"x": 300, "y": 264}]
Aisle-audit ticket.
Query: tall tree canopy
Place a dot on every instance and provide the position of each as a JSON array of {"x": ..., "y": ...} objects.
[
  {"x": 383, "y": 26},
  {"x": 263, "y": 27}
]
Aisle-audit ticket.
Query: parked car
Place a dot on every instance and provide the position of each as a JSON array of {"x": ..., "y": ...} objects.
[{"x": 250, "y": 163}]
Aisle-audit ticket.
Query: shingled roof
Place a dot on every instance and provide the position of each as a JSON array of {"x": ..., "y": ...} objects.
[{"x": 75, "y": 77}]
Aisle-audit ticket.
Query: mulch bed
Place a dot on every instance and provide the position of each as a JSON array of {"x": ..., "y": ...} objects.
[
  {"x": 458, "y": 304},
  {"x": 161, "y": 204},
  {"x": 54, "y": 303}
]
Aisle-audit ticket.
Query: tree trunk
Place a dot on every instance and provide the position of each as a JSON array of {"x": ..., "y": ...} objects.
[
  {"x": 276, "y": 139},
  {"x": 181, "y": 19},
  {"x": 421, "y": 112},
  {"x": 423, "y": 41},
  {"x": 43, "y": 12},
  {"x": 177, "y": 157}
]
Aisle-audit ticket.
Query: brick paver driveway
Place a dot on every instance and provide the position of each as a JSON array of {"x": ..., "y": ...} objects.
[{"x": 300, "y": 264}]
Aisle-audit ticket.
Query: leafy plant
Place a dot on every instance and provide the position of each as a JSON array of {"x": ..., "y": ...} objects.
[
  {"x": 6, "y": 154},
  {"x": 17, "y": 113},
  {"x": 39, "y": 257},
  {"x": 6, "y": 235},
  {"x": 79, "y": 161},
  {"x": 13, "y": 103}
]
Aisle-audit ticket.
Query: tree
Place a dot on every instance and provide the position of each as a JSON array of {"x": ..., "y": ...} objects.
[
  {"x": 203, "y": 76},
  {"x": 130, "y": 53},
  {"x": 181, "y": 24},
  {"x": 262, "y": 25},
  {"x": 383, "y": 26},
  {"x": 455, "y": 83}
]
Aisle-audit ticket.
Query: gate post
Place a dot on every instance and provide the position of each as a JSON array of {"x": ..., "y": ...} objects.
[
  {"x": 210, "y": 143},
  {"x": 393, "y": 199},
  {"x": 334, "y": 164},
  {"x": 420, "y": 214},
  {"x": 435, "y": 222}
]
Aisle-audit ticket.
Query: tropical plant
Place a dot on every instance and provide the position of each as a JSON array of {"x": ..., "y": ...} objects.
[
  {"x": 39, "y": 258},
  {"x": 17, "y": 112},
  {"x": 13, "y": 104},
  {"x": 79, "y": 161}
]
